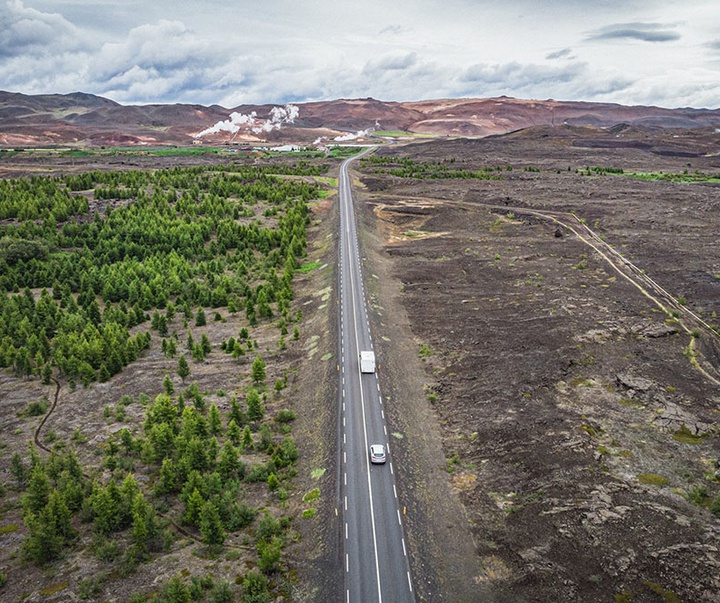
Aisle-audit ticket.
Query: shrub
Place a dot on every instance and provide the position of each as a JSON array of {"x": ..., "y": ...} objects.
[
  {"x": 89, "y": 587},
  {"x": 698, "y": 495},
  {"x": 269, "y": 554},
  {"x": 255, "y": 588},
  {"x": 715, "y": 507},
  {"x": 37, "y": 408},
  {"x": 285, "y": 416},
  {"x": 268, "y": 527},
  {"x": 425, "y": 351},
  {"x": 222, "y": 592}
]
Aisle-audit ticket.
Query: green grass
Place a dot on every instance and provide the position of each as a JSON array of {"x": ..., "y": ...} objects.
[
  {"x": 685, "y": 436},
  {"x": 681, "y": 177},
  {"x": 309, "y": 267},
  {"x": 399, "y": 133},
  {"x": 392, "y": 133},
  {"x": 653, "y": 479},
  {"x": 344, "y": 152},
  {"x": 312, "y": 495}
]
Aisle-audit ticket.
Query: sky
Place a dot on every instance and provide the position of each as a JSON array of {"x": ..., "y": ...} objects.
[{"x": 233, "y": 52}]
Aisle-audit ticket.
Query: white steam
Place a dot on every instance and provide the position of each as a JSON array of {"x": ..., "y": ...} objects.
[
  {"x": 351, "y": 136},
  {"x": 251, "y": 122}
]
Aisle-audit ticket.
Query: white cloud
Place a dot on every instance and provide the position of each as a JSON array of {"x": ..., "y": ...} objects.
[
  {"x": 211, "y": 51},
  {"x": 26, "y": 31}
]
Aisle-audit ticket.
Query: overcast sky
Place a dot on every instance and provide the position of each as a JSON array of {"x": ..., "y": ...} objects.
[{"x": 229, "y": 52}]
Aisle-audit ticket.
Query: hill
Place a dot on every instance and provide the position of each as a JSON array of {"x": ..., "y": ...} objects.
[{"x": 89, "y": 120}]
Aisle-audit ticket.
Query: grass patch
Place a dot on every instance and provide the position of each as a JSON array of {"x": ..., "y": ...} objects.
[
  {"x": 344, "y": 152},
  {"x": 685, "y": 176},
  {"x": 630, "y": 403},
  {"x": 452, "y": 462},
  {"x": 312, "y": 495},
  {"x": 309, "y": 267},
  {"x": 54, "y": 588},
  {"x": 653, "y": 479},
  {"x": 425, "y": 351},
  {"x": 317, "y": 473},
  {"x": 685, "y": 436}
]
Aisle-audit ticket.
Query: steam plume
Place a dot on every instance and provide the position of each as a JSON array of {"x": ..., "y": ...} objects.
[{"x": 238, "y": 121}]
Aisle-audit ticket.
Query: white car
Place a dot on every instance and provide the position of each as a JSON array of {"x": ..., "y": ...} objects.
[{"x": 377, "y": 454}]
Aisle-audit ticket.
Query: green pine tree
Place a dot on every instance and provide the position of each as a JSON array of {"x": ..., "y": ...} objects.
[
  {"x": 257, "y": 372},
  {"x": 214, "y": 420},
  {"x": 193, "y": 508},
  {"x": 183, "y": 367},
  {"x": 211, "y": 526},
  {"x": 255, "y": 411}
]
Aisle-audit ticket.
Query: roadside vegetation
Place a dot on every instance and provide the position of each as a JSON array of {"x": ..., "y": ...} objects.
[
  {"x": 404, "y": 167},
  {"x": 686, "y": 176}
]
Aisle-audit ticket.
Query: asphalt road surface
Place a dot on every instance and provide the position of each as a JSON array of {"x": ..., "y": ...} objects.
[{"x": 376, "y": 563}]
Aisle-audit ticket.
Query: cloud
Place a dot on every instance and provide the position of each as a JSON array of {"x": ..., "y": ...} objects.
[
  {"x": 392, "y": 29},
  {"x": 26, "y": 31},
  {"x": 515, "y": 74},
  {"x": 565, "y": 53},
  {"x": 208, "y": 52},
  {"x": 392, "y": 63},
  {"x": 644, "y": 32},
  {"x": 166, "y": 56}
]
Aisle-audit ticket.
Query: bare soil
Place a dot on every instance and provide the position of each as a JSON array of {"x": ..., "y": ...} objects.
[{"x": 557, "y": 442}]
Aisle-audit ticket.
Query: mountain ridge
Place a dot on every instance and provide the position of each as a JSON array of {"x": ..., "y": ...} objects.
[{"x": 85, "y": 119}]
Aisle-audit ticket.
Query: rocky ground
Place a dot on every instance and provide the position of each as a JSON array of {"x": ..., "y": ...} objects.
[{"x": 576, "y": 403}]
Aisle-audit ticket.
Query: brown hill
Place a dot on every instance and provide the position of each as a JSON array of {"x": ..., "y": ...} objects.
[{"x": 86, "y": 119}]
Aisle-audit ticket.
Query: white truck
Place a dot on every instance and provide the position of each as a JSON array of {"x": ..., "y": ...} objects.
[{"x": 367, "y": 362}]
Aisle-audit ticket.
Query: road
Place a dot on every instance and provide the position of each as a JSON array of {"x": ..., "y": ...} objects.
[{"x": 376, "y": 563}]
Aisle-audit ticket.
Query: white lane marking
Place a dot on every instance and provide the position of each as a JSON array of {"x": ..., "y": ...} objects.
[
  {"x": 404, "y": 551},
  {"x": 398, "y": 514},
  {"x": 346, "y": 534},
  {"x": 346, "y": 503},
  {"x": 395, "y": 491},
  {"x": 409, "y": 582}
]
